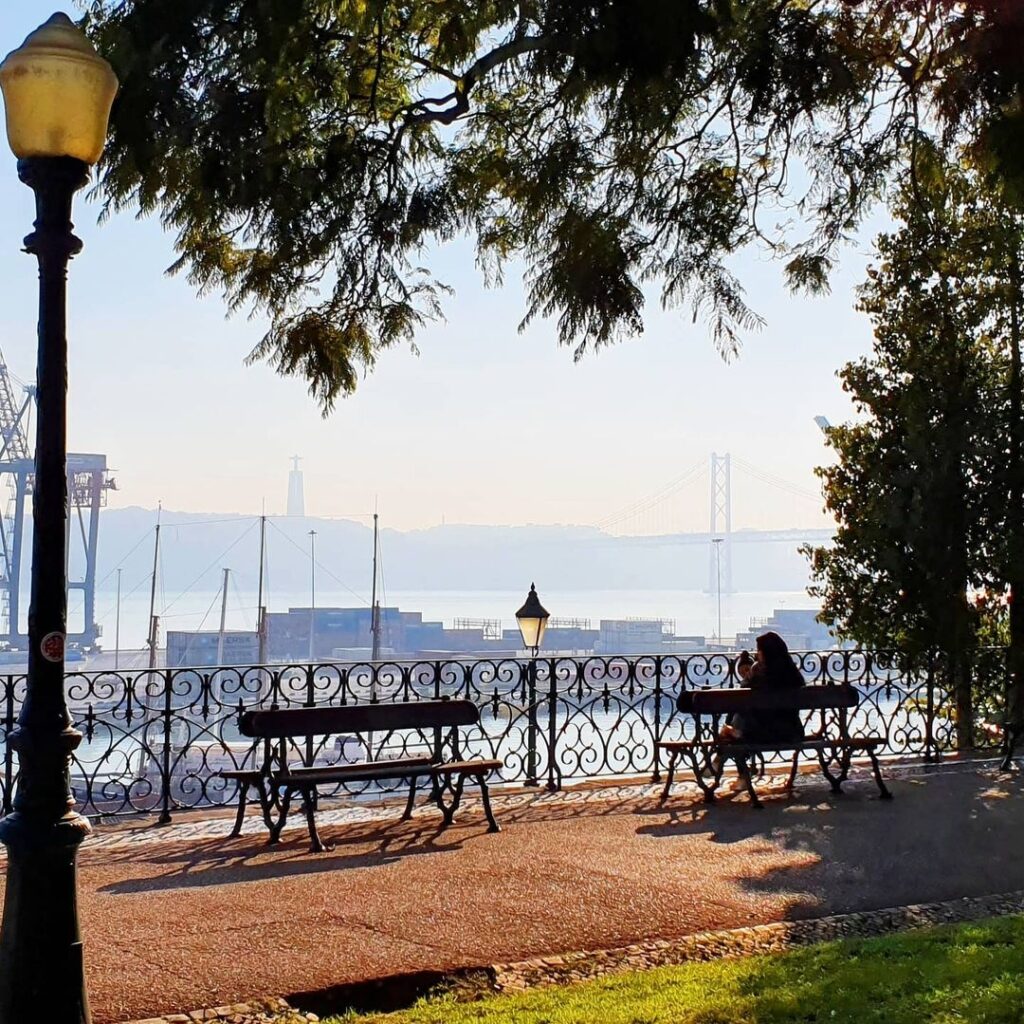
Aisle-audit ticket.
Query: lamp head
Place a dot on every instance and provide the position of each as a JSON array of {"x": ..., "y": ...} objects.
[
  {"x": 533, "y": 619},
  {"x": 57, "y": 94}
]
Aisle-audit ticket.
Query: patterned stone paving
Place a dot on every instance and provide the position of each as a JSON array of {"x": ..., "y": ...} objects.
[{"x": 215, "y": 823}]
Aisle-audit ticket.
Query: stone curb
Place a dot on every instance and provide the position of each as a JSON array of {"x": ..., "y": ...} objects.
[
  {"x": 518, "y": 976},
  {"x": 762, "y": 938},
  {"x": 256, "y": 1011}
]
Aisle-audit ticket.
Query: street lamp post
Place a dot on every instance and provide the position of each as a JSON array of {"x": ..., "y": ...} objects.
[
  {"x": 57, "y": 96},
  {"x": 533, "y": 621}
]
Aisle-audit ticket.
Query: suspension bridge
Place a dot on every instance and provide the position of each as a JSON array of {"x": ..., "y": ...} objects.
[{"x": 669, "y": 512}]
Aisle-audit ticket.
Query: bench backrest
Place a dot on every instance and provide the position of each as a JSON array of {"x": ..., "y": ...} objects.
[
  {"x": 288, "y": 723},
  {"x": 802, "y": 698}
]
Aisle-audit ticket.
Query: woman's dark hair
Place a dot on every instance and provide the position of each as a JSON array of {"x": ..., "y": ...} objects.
[{"x": 778, "y": 665}]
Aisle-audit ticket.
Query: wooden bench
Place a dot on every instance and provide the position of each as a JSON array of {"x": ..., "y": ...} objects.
[
  {"x": 707, "y": 755},
  {"x": 276, "y": 781}
]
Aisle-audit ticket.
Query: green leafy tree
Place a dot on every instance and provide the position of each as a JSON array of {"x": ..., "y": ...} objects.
[
  {"x": 311, "y": 154},
  {"x": 927, "y": 491}
]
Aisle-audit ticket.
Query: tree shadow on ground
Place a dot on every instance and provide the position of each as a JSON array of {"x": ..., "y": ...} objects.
[
  {"x": 941, "y": 838},
  {"x": 967, "y": 973},
  {"x": 944, "y": 836}
]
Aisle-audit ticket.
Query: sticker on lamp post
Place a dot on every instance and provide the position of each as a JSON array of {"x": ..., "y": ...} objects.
[{"x": 51, "y": 647}]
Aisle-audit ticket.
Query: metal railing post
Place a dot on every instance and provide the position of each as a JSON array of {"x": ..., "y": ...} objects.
[
  {"x": 929, "y": 713},
  {"x": 656, "y": 775},
  {"x": 8, "y": 749},
  {"x": 554, "y": 776},
  {"x": 165, "y": 767},
  {"x": 438, "y": 743},
  {"x": 438, "y": 736},
  {"x": 310, "y": 702},
  {"x": 532, "y": 726}
]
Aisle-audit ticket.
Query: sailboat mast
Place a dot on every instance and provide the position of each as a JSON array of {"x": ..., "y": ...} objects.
[
  {"x": 312, "y": 595},
  {"x": 223, "y": 619},
  {"x": 261, "y": 612},
  {"x": 374, "y": 606},
  {"x": 152, "y": 597},
  {"x": 117, "y": 626}
]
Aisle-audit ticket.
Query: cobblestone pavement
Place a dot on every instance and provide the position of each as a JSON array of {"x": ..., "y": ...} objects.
[{"x": 183, "y": 916}]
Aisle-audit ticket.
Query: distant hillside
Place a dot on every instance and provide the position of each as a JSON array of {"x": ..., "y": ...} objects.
[{"x": 196, "y": 545}]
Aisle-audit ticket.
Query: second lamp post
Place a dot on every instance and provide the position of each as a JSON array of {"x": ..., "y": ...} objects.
[{"x": 533, "y": 621}]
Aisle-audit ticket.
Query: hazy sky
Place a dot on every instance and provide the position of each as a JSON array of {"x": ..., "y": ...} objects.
[{"x": 484, "y": 426}]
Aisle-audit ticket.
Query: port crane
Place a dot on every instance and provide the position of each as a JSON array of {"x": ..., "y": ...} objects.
[{"x": 88, "y": 483}]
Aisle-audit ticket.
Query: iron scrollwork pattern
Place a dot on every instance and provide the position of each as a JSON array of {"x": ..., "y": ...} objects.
[{"x": 156, "y": 740}]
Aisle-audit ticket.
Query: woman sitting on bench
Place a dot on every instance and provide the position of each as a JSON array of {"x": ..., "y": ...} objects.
[{"x": 774, "y": 669}]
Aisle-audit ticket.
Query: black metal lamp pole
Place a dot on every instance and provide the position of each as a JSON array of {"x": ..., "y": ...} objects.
[
  {"x": 57, "y": 93},
  {"x": 532, "y": 619},
  {"x": 41, "y": 968}
]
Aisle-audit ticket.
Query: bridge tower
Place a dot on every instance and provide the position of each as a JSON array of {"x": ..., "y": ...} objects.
[{"x": 721, "y": 524}]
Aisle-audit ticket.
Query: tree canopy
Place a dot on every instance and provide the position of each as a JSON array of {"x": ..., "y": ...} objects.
[
  {"x": 309, "y": 154},
  {"x": 917, "y": 492},
  {"x": 927, "y": 492}
]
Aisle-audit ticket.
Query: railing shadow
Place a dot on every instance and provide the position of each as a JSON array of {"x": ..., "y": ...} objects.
[{"x": 244, "y": 859}]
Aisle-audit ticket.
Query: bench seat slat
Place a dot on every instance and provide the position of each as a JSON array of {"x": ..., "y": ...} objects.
[
  {"x": 365, "y": 771},
  {"x": 854, "y": 743},
  {"x": 287, "y": 723},
  {"x": 803, "y": 698},
  {"x": 468, "y": 767},
  {"x": 369, "y": 771}
]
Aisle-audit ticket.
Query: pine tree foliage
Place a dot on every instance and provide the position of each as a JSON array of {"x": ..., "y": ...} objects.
[{"x": 311, "y": 155}]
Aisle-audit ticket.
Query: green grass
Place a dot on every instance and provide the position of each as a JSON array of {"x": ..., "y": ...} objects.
[{"x": 964, "y": 973}]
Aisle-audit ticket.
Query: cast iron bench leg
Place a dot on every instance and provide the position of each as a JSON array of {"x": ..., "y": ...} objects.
[
  {"x": 265, "y": 801},
  {"x": 670, "y": 774},
  {"x": 717, "y": 767},
  {"x": 243, "y": 793},
  {"x": 847, "y": 759},
  {"x": 744, "y": 769},
  {"x": 485, "y": 796},
  {"x": 407, "y": 814},
  {"x": 449, "y": 811},
  {"x": 791, "y": 781},
  {"x": 1012, "y": 736},
  {"x": 278, "y": 826},
  {"x": 883, "y": 790},
  {"x": 835, "y": 781},
  {"x": 310, "y": 801}
]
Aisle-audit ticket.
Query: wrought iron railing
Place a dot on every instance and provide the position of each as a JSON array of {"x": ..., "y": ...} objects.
[{"x": 155, "y": 740}]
